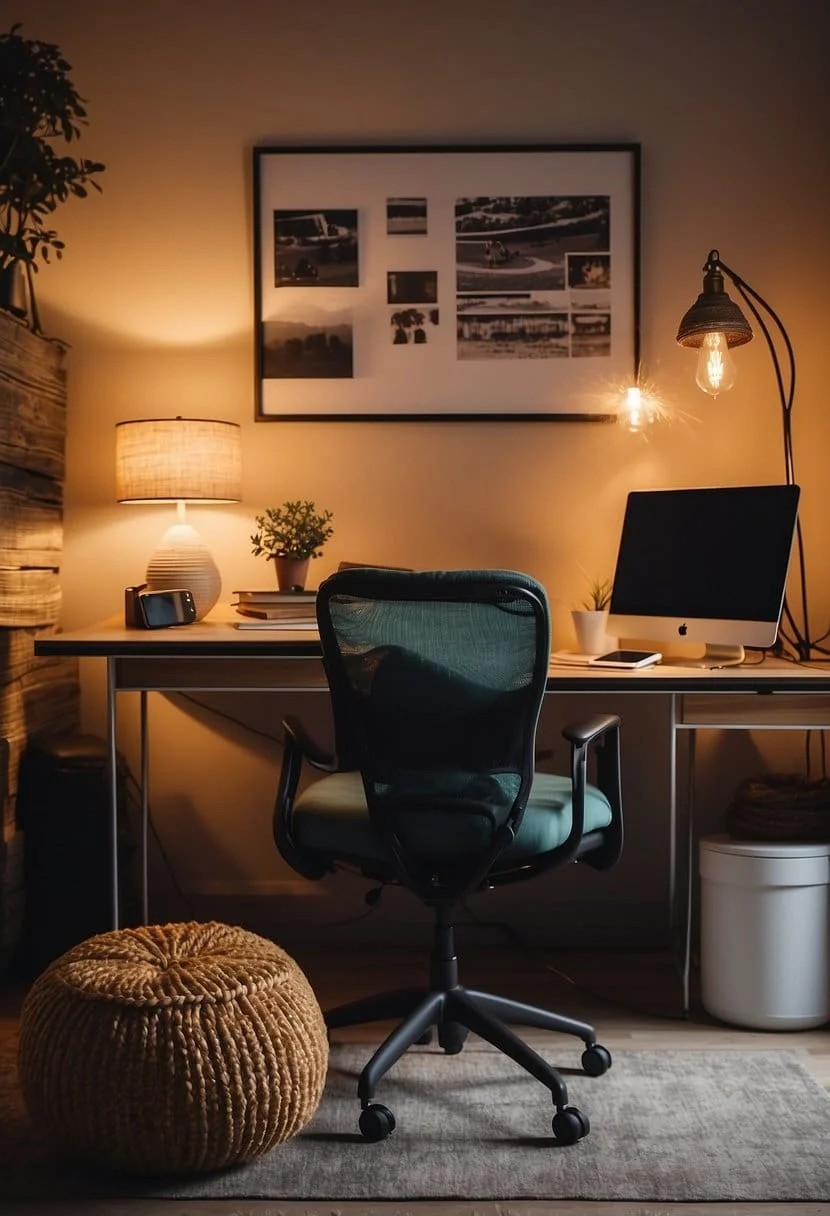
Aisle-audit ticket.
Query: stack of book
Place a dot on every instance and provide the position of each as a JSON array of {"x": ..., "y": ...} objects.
[{"x": 277, "y": 609}]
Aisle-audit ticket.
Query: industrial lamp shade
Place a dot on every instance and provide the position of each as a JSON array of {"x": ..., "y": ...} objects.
[
  {"x": 713, "y": 312},
  {"x": 180, "y": 460}
]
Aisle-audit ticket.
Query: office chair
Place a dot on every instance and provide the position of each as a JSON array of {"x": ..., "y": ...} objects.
[{"x": 436, "y": 685}]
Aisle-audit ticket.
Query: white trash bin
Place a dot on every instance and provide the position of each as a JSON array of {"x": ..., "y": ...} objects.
[{"x": 765, "y": 932}]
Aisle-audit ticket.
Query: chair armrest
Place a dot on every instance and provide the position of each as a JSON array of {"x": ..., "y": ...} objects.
[
  {"x": 298, "y": 738},
  {"x": 582, "y": 733},
  {"x": 298, "y": 746},
  {"x": 601, "y": 731},
  {"x": 602, "y": 848}
]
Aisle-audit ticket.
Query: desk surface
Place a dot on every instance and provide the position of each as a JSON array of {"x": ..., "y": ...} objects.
[{"x": 216, "y": 637}]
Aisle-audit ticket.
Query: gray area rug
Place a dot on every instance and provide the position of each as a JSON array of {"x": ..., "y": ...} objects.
[{"x": 687, "y": 1126}]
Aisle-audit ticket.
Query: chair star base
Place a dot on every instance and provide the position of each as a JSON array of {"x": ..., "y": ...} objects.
[{"x": 456, "y": 1010}]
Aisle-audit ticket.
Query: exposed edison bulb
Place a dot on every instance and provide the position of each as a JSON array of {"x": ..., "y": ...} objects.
[
  {"x": 636, "y": 412},
  {"x": 716, "y": 371},
  {"x": 634, "y": 408}
]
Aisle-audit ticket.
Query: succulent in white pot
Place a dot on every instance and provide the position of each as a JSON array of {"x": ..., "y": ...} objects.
[{"x": 591, "y": 620}]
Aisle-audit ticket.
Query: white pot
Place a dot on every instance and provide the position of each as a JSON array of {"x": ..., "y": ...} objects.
[{"x": 591, "y": 635}]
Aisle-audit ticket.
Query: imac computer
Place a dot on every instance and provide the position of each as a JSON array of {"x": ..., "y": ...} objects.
[{"x": 704, "y": 565}]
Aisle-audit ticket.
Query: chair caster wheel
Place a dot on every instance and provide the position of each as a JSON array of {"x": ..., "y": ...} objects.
[
  {"x": 451, "y": 1037},
  {"x": 596, "y": 1060},
  {"x": 376, "y": 1122},
  {"x": 570, "y": 1125}
]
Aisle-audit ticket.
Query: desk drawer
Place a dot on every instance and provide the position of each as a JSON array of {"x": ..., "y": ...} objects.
[
  {"x": 749, "y": 711},
  {"x": 253, "y": 674}
]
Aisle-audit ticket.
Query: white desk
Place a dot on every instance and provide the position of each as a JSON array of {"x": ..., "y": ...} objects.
[{"x": 213, "y": 656}]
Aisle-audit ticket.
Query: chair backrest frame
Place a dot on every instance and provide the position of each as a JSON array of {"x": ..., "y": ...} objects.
[{"x": 437, "y": 681}]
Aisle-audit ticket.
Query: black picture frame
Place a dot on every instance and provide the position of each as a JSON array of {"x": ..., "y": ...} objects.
[{"x": 446, "y": 283}]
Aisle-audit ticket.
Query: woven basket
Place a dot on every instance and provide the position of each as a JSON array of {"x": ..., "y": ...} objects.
[
  {"x": 172, "y": 1048},
  {"x": 780, "y": 806}
]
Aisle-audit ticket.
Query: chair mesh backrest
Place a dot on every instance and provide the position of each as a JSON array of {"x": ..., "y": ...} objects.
[{"x": 437, "y": 681}]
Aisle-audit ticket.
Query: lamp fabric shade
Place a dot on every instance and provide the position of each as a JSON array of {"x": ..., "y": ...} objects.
[{"x": 178, "y": 459}]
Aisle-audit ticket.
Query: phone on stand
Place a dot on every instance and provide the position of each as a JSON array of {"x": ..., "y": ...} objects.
[{"x": 145, "y": 609}]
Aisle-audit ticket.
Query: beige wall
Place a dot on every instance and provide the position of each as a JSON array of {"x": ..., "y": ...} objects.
[{"x": 729, "y": 102}]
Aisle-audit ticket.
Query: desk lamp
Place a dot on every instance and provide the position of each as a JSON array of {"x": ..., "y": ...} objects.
[
  {"x": 178, "y": 460},
  {"x": 714, "y": 325}
]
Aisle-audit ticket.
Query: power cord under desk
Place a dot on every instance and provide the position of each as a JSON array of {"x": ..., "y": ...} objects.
[{"x": 517, "y": 939}]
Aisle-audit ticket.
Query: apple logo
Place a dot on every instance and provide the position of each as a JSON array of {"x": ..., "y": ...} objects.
[{"x": 682, "y": 630}]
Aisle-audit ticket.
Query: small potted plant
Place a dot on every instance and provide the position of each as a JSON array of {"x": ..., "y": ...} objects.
[
  {"x": 591, "y": 620},
  {"x": 39, "y": 110},
  {"x": 291, "y": 536}
]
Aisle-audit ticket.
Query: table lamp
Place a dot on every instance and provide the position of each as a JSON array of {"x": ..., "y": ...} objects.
[
  {"x": 180, "y": 460},
  {"x": 714, "y": 325}
]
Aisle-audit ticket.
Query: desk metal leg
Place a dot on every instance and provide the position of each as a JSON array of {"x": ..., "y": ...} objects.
[
  {"x": 690, "y": 871},
  {"x": 112, "y": 750},
  {"x": 145, "y": 811},
  {"x": 680, "y": 900},
  {"x": 673, "y": 818}
]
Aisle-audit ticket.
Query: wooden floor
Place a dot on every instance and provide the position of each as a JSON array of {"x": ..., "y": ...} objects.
[{"x": 632, "y": 999}]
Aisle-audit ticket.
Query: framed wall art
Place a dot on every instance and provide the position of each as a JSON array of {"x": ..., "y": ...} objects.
[{"x": 445, "y": 283}]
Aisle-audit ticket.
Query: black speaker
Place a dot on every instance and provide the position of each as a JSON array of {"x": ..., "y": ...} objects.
[{"x": 63, "y": 809}]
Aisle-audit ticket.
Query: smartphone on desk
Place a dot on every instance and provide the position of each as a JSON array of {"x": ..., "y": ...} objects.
[{"x": 627, "y": 659}]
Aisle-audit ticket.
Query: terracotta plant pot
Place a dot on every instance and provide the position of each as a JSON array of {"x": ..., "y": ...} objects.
[{"x": 291, "y": 573}]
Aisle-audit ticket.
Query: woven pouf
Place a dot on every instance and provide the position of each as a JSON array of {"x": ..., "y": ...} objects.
[{"x": 172, "y": 1048}]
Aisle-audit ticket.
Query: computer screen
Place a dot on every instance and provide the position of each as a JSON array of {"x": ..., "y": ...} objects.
[{"x": 704, "y": 565}]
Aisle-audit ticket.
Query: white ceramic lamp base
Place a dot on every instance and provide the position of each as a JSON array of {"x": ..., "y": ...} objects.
[{"x": 183, "y": 560}]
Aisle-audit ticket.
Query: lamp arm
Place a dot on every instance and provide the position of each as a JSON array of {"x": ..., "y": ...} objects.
[
  {"x": 787, "y": 396},
  {"x": 765, "y": 304},
  {"x": 799, "y": 640},
  {"x": 750, "y": 297}
]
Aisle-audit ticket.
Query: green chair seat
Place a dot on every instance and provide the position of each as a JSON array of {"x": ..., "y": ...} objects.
[{"x": 331, "y": 817}]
